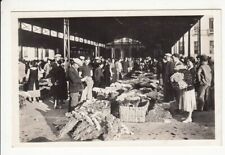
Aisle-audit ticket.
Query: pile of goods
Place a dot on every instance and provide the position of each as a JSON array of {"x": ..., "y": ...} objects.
[
  {"x": 105, "y": 94},
  {"x": 134, "y": 99},
  {"x": 88, "y": 122},
  {"x": 158, "y": 114},
  {"x": 133, "y": 92}
]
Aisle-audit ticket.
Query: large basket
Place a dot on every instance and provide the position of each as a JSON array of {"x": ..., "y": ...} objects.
[{"x": 133, "y": 114}]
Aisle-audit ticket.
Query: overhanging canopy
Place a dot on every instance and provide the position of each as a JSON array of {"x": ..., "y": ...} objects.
[{"x": 150, "y": 30}]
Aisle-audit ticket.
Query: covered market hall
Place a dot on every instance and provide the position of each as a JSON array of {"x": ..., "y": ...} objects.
[
  {"x": 116, "y": 78},
  {"x": 109, "y": 37}
]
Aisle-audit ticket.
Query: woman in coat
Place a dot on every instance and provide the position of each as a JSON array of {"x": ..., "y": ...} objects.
[
  {"x": 59, "y": 85},
  {"x": 99, "y": 76},
  {"x": 107, "y": 74}
]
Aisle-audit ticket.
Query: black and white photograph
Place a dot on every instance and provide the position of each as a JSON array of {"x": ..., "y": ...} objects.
[{"x": 116, "y": 78}]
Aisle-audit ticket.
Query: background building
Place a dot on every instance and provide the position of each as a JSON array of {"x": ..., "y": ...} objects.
[{"x": 198, "y": 40}]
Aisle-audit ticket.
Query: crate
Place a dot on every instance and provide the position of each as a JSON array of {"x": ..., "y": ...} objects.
[{"x": 133, "y": 114}]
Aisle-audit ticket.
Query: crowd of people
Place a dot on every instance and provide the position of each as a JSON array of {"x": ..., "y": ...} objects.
[
  {"x": 190, "y": 81},
  {"x": 78, "y": 76}
]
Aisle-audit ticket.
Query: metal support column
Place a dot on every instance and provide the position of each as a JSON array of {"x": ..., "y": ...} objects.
[
  {"x": 112, "y": 52},
  {"x": 183, "y": 49},
  {"x": 130, "y": 52},
  {"x": 21, "y": 51},
  {"x": 199, "y": 37},
  {"x": 96, "y": 51},
  {"x": 66, "y": 38},
  {"x": 99, "y": 52},
  {"x": 121, "y": 53},
  {"x": 189, "y": 43},
  {"x": 179, "y": 49}
]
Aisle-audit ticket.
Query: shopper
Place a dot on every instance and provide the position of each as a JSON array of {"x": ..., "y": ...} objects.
[
  {"x": 188, "y": 103},
  {"x": 32, "y": 82},
  {"x": 106, "y": 73},
  {"x": 113, "y": 71},
  {"x": 99, "y": 76},
  {"x": 47, "y": 67},
  {"x": 59, "y": 84},
  {"x": 86, "y": 74},
  {"x": 169, "y": 70},
  {"x": 75, "y": 83},
  {"x": 205, "y": 79}
]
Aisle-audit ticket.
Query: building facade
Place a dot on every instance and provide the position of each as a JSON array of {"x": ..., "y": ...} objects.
[{"x": 198, "y": 40}]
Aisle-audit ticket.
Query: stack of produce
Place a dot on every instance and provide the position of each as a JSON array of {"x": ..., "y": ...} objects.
[
  {"x": 120, "y": 85},
  {"x": 158, "y": 114},
  {"x": 107, "y": 93},
  {"x": 131, "y": 98},
  {"x": 88, "y": 122},
  {"x": 94, "y": 105}
]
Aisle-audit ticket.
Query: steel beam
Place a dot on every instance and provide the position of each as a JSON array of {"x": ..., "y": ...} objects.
[{"x": 66, "y": 38}]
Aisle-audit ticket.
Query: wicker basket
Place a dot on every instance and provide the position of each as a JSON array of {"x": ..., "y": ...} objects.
[{"x": 133, "y": 114}]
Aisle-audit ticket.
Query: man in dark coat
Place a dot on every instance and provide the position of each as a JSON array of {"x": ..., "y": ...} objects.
[
  {"x": 169, "y": 70},
  {"x": 125, "y": 66},
  {"x": 99, "y": 76},
  {"x": 75, "y": 83}
]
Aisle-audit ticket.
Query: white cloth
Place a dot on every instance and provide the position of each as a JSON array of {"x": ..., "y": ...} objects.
[{"x": 188, "y": 101}]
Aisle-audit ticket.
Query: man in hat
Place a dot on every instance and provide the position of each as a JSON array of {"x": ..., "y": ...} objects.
[
  {"x": 169, "y": 70},
  {"x": 75, "y": 83},
  {"x": 204, "y": 74}
]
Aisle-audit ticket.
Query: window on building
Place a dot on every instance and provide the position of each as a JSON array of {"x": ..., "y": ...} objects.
[
  {"x": 196, "y": 29},
  {"x": 211, "y": 47},
  {"x": 196, "y": 47},
  {"x": 36, "y": 53},
  {"x": 181, "y": 49},
  {"x": 211, "y": 24},
  {"x": 46, "y": 53},
  {"x": 25, "y": 52}
]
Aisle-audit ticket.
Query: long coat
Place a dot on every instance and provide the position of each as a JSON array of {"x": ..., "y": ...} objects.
[
  {"x": 107, "y": 75},
  {"x": 125, "y": 66},
  {"x": 58, "y": 78},
  {"x": 75, "y": 83}
]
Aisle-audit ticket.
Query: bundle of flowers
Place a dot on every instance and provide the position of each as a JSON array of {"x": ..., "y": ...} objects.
[{"x": 177, "y": 80}]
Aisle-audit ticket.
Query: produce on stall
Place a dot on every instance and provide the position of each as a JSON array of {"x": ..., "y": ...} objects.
[
  {"x": 135, "y": 99},
  {"x": 88, "y": 122}
]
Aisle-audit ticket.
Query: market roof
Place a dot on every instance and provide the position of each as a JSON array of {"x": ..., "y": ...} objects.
[{"x": 150, "y": 30}]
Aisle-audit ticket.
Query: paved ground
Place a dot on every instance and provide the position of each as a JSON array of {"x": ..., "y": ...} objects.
[{"x": 36, "y": 125}]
